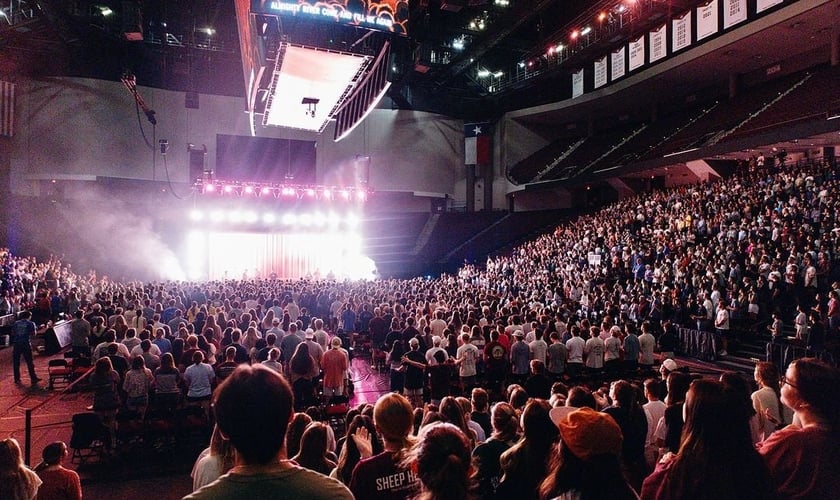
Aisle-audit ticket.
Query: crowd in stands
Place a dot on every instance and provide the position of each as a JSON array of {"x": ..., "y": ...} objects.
[{"x": 536, "y": 332}]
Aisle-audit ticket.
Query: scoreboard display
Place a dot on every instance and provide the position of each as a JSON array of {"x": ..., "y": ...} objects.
[{"x": 384, "y": 15}]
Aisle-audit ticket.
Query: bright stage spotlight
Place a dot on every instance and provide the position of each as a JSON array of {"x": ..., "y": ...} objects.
[
  {"x": 305, "y": 220},
  {"x": 196, "y": 215},
  {"x": 251, "y": 217},
  {"x": 352, "y": 221},
  {"x": 265, "y": 190},
  {"x": 310, "y": 192},
  {"x": 319, "y": 219},
  {"x": 289, "y": 219},
  {"x": 345, "y": 194},
  {"x": 269, "y": 218},
  {"x": 249, "y": 189},
  {"x": 209, "y": 188},
  {"x": 361, "y": 195},
  {"x": 235, "y": 216},
  {"x": 327, "y": 194},
  {"x": 217, "y": 216},
  {"x": 334, "y": 220},
  {"x": 228, "y": 189}
]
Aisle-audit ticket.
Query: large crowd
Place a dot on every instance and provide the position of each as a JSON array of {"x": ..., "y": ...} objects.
[{"x": 498, "y": 374}]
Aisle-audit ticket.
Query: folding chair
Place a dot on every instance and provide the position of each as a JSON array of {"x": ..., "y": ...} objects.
[
  {"x": 59, "y": 370},
  {"x": 89, "y": 437}
]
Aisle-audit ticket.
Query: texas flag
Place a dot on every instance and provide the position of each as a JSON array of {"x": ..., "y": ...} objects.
[{"x": 478, "y": 149}]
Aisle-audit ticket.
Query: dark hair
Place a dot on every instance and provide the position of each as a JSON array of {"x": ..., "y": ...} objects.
[
  {"x": 300, "y": 421},
  {"x": 599, "y": 477},
  {"x": 716, "y": 458},
  {"x": 504, "y": 421},
  {"x": 580, "y": 397},
  {"x": 818, "y": 384},
  {"x": 252, "y": 407},
  {"x": 313, "y": 449},
  {"x": 350, "y": 456},
  {"x": 442, "y": 457},
  {"x": 302, "y": 362}
]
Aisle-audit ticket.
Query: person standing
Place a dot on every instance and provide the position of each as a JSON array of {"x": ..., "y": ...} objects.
[
  {"x": 22, "y": 331},
  {"x": 253, "y": 407},
  {"x": 59, "y": 483}
]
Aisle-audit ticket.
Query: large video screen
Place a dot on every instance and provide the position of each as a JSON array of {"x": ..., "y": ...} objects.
[
  {"x": 263, "y": 159},
  {"x": 384, "y": 15}
]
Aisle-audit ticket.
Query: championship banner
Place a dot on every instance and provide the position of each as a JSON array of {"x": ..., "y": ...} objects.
[
  {"x": 734, "y": 12},
  {"x": 637, "y": 53},
  {"x": 657, "y": 43},
  {"x": 600, "y": 72},
  {"x": 681, "y": 28},
  {"x": 617, "y": 60},
  {"x": 577, "y": 84},
  {"x": 7, "y": 109},
  {"x": 762, "y": 5},
  {"x": 707, "y": 20},
  {"x": 478, "y": 149}
]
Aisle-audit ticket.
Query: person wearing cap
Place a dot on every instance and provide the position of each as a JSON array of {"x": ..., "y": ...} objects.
[
  {"x": 334, "y": 364},
  {"x": 668, "y": 366},
  {"x": 589, "y": 463},
  {"x": 520, "y": 358}
]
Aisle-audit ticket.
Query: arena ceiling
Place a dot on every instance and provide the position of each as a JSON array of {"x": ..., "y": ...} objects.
[{"x": 193, "y": 46}]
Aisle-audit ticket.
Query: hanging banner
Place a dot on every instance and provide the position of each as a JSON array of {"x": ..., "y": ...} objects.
[
  {"x": 681, "y": 28},
  {"x": 762, "y": 5},
  {"x": 637, "y": 53},
  {"x": 617, "y": 60},
  {"x": 577, "y": 84},
  {"x": 707, "y": 20},
  {"x": 657, "y": 43},
  {"x": 600, "y": 72},
  {"x": 734, "y": 12}
]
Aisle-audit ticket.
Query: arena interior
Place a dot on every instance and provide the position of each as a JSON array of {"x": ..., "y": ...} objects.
[{"x": 657, "y": 179}]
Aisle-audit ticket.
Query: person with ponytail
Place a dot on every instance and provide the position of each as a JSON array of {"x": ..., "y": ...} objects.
[
  {"x": 488, "y": 471},
  {"x": 441, "y": 458},
  {"x": 384, "y": 476}
]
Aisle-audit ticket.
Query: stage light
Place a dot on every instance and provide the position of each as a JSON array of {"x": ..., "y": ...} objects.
[
  {"x": 319, "y": 219},
  {"x": 249, "y": 189},
  {"x": 265, "y": 190},
  {"x": 602, "y": 16},
  {"x": 289, "y": 219},
  {"x": 251, "y": 217},
  {"x": 269, "y": 218},
  {"x": 574, "y": 35},
  {"x": 209, "y": 188},
  {"x": 305, "y": 220},
  {"x": 352, "y": 221},
  {"x": 483, "y": 73},
  {"x": 196, "y": 215},
  {"x": 310, "y": 192},
  {"x": 235, "y": 216},
  {"x": 586, "y": 30},
  {"x": 361, "y": 195},
  {"x": 287, "y": 191},
  {"x": 327, "y": 194},
  {"x": 217, "y": 216},
  {"x": 334, "y": 219},
  {"x": 345, "y": 194},
  {"x": 228, "y": 189}
]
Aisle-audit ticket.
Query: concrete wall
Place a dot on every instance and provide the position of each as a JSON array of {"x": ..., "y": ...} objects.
[{"x": 74, "y": 128}]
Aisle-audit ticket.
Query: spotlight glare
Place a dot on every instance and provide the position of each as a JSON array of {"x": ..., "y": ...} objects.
[
  {"x": 305, "y": 220},
  {"x": 327, "y": 194},
  {"x": 289, "y": 219},
  {"x": 217, "y": 216},
  {"x": 345, "y": 194},
  {"x": 235, "y": 216},
  {"x": 265, "y": 190},
  {"x": 251, "y": 217},
  {"x": 361, "y": 195},
  {"x": 352, "y": 221},
  {"x": 196, "y": 215},
  {"x": 209, "y": 188},
  {"x": 310, "y": 192},
  {"x": 228, "y": 189},
  {"x": 269, "y": 218},
  {"x": 320, "y": 219},
  {"x": 249, "y": 189}
]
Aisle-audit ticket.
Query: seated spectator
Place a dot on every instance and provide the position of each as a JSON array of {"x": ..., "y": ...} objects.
[
  {"x": 351, "y": 453},
  {"x": 716, "y": 458},
  {"x": 59, "y": 483},
  {"x": 253, "y": 407},
  {"x": 588, "y": 462},
  {"x": 300, "y": 421},
  {"x": 803, "y": 457}
]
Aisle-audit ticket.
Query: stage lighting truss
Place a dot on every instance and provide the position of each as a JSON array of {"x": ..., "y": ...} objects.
[{"x": 336, "y": 194}]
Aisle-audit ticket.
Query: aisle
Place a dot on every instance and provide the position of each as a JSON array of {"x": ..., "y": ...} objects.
[{"x": 368, "y": 383}]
